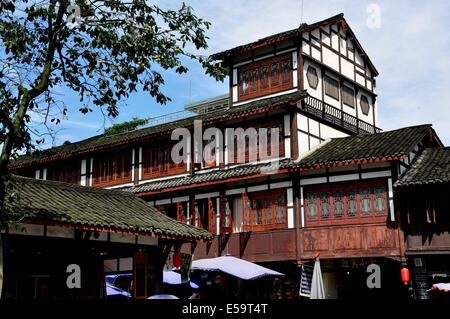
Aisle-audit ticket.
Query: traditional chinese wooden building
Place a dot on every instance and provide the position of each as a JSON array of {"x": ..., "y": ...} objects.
[
  {"x": 422, "y": 194},
  {"x": 328, "y": 190},
  {"x": 101, "y": 232}
]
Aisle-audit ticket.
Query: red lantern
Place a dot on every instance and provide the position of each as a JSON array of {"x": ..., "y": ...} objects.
[
  {"x": 176, "y": 260},
  {"x": 405, "y": 275}
]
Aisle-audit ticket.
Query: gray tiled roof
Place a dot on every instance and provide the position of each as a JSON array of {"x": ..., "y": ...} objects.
[
  {"x": 78, "y": 206},
  {"x": 214, "y": 176},
  {"x": 385, "y": 145},
  {"x": 431, "y": 167},
  {"x": 104, "y": 141}
]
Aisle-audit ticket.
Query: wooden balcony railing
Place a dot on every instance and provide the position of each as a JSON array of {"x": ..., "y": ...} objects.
[{"x": 336, "y": 116}]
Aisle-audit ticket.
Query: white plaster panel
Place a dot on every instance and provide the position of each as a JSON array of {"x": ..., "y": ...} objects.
[
  {"x": 314, "y": 127},
  {"x": 313, "y": 141},
  {"x": 360, "y": 79},
  {"x": 257, "y": 188},
  {"x": 280, "y": 185},
  {"x": 60, "y": 232},
  {"x": 330, "y": 58},
  {"x": 347, "y": 69},
  {"x": 376, "y": 174},
  {"x": 147, "y": 240},
  {"x": 122, "y": 238},
  {"x": 335, "y": 41},
  {"x": 302, "y": 122},
  {"x": 315, "y": 53},
  {"x": 341, "y": 178},
  {"x": 303, "y": 143},
  {"x": 312, "y": 181}
]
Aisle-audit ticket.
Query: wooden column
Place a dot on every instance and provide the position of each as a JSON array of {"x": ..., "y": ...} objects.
[{"x": 294, "y": 135}]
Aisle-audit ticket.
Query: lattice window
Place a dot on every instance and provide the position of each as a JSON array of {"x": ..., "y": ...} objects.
[
  {"x": 313, "y": 79},
  {"x": 244, "y": 82},
  {"x": 365, "y": 107},
  {"x": 325, "y": 206},
  {"x": 265, "y": 77},
  {"x": 113, "y": 169},
  {"x": 363, "y": 201},
  {"x": 338, "y": 204},
  {"x": 380, "y": 200},
  {"x": 311, "y": 205},
  {"x": 331, "y": 87},
  {"x": 352, "y": 204},
  {"x": 348, "y": 96},
  {"x": 265, "y": 210},
  {"x": 275, "y": 72},
  {"x": 280, "y": 209},
  {"x": 157, "y": 162},
  {"x": 286, "y": 68}
]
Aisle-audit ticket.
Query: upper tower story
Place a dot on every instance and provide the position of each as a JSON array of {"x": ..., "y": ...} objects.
[{"x": 324, "y": 58}]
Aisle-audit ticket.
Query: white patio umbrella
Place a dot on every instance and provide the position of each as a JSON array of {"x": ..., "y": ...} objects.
[
  {"x": 173, "y": 278},
  {"x": 317, "y": 289},
  {"x": 234, "y": 266}
]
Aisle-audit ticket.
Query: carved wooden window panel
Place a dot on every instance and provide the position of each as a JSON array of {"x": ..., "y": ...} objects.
[
  {"x": 348, "y": 96},
  {"x": 346, "y": 202},
  {"x": 312, "y": 210},
  {"x": 365, "y": 201},
  {"x": 265, "y": 210},
  {"x": 275, "y": 72},
  {"x": 204, "y": 215},
  {"x": 67, "y": 173},
  {"x": 286, "y": 70},
  {"x": 212, "y": 211},
  {"x": 311, "y": 76},
  {"x": 182, "y": 212},
  {"x": 338, "y": 204},
  {"x": 112, "y": 169},
  {"x": 352, "y": 203},
  {"x": 365, "y": 107},
  {"x": 331, "y": 87},
  {"x": 209, "y": 158},
  {"x": 265, "y": 77},
  {"x": 325, "y": 205},
  {"x": 257, "y": 150},
  {"x": 157, "y": 162},
  {"x": 380, "y": 200}
]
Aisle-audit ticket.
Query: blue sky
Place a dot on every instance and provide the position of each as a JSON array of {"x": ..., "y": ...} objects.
[{"x": 411, "y": 51}]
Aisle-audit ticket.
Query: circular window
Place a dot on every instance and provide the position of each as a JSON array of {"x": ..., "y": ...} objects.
[{"x": 364, "y": 105}]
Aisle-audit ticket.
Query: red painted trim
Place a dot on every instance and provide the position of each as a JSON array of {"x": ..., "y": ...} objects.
[{"x": 286, "y": 170}]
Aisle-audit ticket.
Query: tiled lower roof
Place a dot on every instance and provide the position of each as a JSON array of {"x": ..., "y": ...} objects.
[
  {"x": 104, "y": 141},
  {"x": 48, "y": 202},
  {"x": 385, "y": 146},
  {"x": 213, "y": 176},
  {"x": 389, "y": 145},
  {"x": 431, "y": 167}
]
